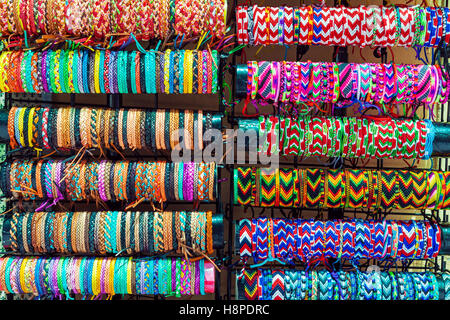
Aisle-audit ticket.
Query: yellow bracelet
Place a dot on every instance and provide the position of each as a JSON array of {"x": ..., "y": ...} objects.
[
  {"x": 167, "y": 71},
  {"x": 22, "y": 275},
  {"x": 56, "y": 70},
  {"x": 70, "y": 72},
  {"x": 190, "y": 71},
  {"x": 20, "y": 22},
  {"x": 111, "y": 276},
  {"x": 96, "y": 71},
  {"x": 3, "y": 78},
  {"x": 187, "y": 72},
  {"x": 30, "y": 127},
  {"x": 21, "y": 135},
  {"x": 129, "y": 268}
]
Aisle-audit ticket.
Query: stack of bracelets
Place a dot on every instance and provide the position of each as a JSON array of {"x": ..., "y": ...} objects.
[
  {"x": 345, "y": 188},
  {"x": 125, "y": 129},
  {"x": 330, "y": 82},
  {"x": 111, "y": 232},
  {"x": 279, "y": 284},
  {"x": 105, "y": 71},
  {"x": 64, "y": 276},
  {"x": 266, "y": 239},
  {"x": 108, "y": 180},
  {"x": 100, "y": 18},
  {"x": 374, "y": 26},
  {"x": 365, "y": 137}
]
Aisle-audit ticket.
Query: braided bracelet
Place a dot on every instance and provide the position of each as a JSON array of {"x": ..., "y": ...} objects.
[
  {"x": 361, "y": 26},
  {"x": 266, "y": 284},
  {"x": 154, "y": 19},
  {"x": 87, "y": 276},
  {"x": 96, "y": 74},
  {"x": 287, "y": 246},
  {"x": 87, "y": 181},
  {"x": 341, "y": 188},
  {"x": 349, "y": 137},
  {"x": 344, "y": 83}
]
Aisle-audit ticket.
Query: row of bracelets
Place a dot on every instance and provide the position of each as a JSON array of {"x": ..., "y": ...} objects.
[
  {"x": 111, "y": 232},
  {"x": 348, "y": 188},
  {"x": 328, "y": 82},
  {"x": 266, "y": 239},
  {"x": 340, "y": 26},
  {"x": 106, "y": 71},
  {"x": 348, "y": 137},
  {"x": 108, "y": 181},
  {"x": 99, "y": 18},
  {"x": 279, "y": 284},
  {"x": 89, "y": 276},
  {"x": 125, "y": 129}
]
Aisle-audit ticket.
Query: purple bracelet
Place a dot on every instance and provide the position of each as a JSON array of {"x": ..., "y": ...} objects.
[
  {"x": 174, "y": 273},
  {"x": 188, "y": 278},
  {"x": 102, "y": 277},
  {"x": 188, "y": 177},
  {"x": 110, "y": 72},
  {"x": 161, "y": 71},
  {"x": 15, "y": 267},
  {"x": 101, "y": 180},
  {"x": 197, "y": 277},
  {"x": 276, "y": 81}
]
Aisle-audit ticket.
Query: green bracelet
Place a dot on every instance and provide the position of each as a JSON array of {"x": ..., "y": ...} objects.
[
  {"x": 214, "y": 71},
  {"x": 180, "y": 180}
]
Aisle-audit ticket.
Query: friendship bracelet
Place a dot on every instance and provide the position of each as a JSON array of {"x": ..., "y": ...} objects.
[
  {"x": 346, "y": 83},
  {"x": 87, "y": 275},
  {"x": 358, "y": 26},
  {"x": 88, "y": 182},
  {"x": 288, "y": 246},
  {"x": 308, "y": 136},
  {"x": 106, "y": 226},
  {"x": 95, "y": 73},
  {"x": 322, "y": 188},
  {"x": 340, "y": 285},
  {"x": 85, "y": 128},
  {"x": 147, "y": 20}
]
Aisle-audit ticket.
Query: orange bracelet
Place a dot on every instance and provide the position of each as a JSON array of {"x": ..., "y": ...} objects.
[
  {"x": 209, "y": 237},
  {"x": 162, "y": 171},
  {"x": 211, "y": 180},
  {"x": 12, "y": 140}
]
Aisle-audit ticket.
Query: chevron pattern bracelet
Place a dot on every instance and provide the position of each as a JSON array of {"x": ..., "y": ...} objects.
[
  {"x": 64, "y": 276},
  {"x": 340, "y": 26},
  {"x": 285, "y": 284},
  {"x": 366, "y": 137},
  {"x": 287, "y": 240},
  {"x": 348, "y": 188},
  {"x": 345, "y": 83}
]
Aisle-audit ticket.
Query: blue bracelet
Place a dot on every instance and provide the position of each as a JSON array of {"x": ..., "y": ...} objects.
[
  {"x": 85, "y": 71},
  {"x": 101, "y": 66},
  {"x": 75, "y": 72},
  {"x": 171, "y": 71}
]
